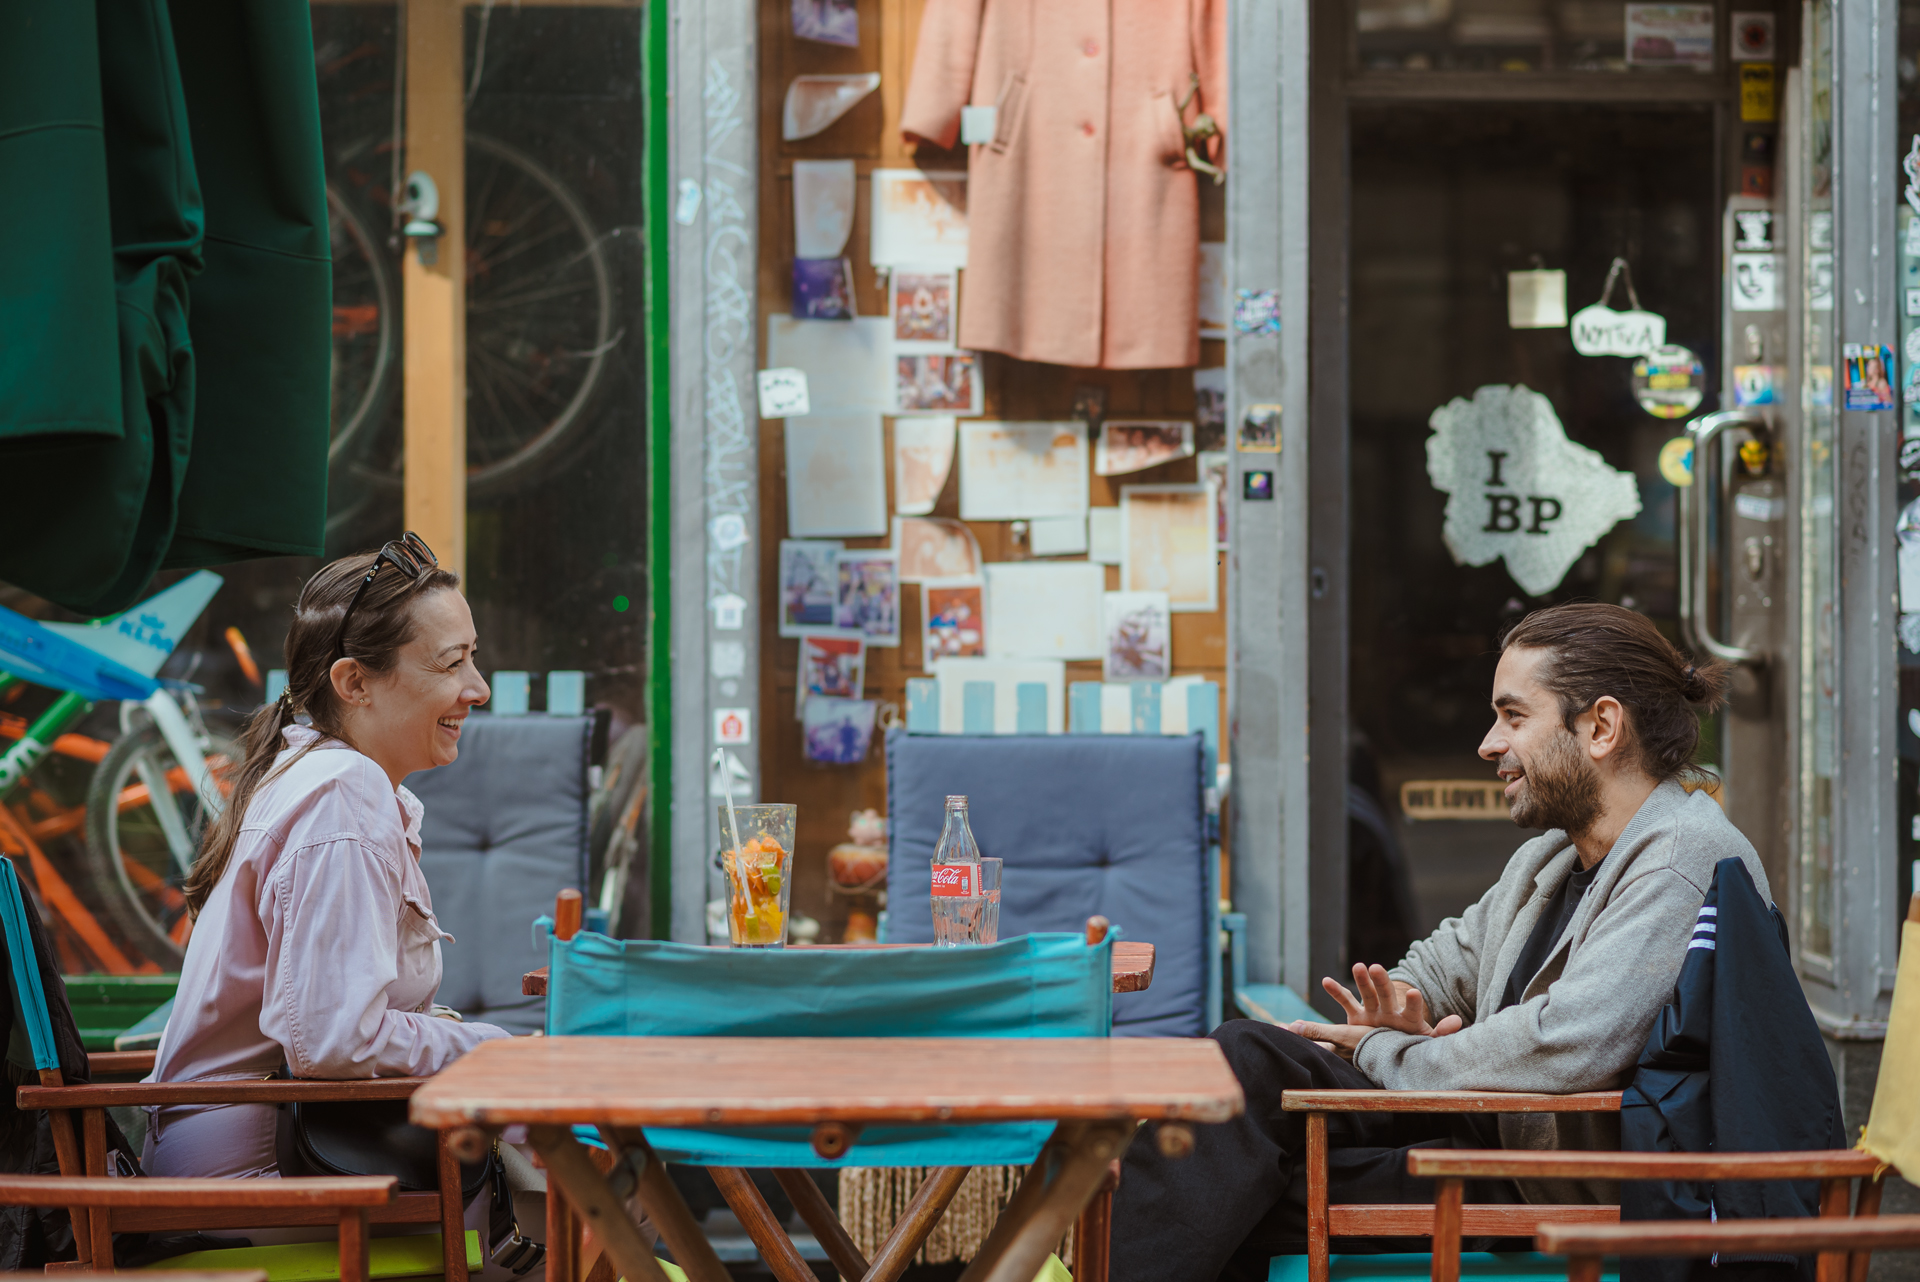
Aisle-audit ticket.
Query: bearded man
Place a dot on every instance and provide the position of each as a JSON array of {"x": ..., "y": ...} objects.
[{"x": 1550, "y": 982}]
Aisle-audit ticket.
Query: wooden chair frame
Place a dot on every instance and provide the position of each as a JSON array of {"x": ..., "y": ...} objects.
[
  {"x": 1836, "y": 1169},
  {"x": 351, "y": 1202},
  {"x": 85, "y": 1158},
  {"x": 1324, "y": 1222},
  {"x": 574, "y": 1256},
  {"x": 1837, "y": 1240}
]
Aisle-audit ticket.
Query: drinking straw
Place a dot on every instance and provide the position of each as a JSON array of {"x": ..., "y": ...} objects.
[{"x": 733, "y": 824}]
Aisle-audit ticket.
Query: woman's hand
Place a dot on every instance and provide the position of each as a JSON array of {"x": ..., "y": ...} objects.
[{"x": 1383, "y": 1002}]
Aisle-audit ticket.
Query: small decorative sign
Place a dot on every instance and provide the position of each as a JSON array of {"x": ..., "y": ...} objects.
[
  {"x": 733, "y": 725},
  {"x": 1601, "y": 331},
  {"x": 955, "y": 881},
  {"x": 1676, "y": 462},
  {"x": 783, "y": 393},
  {"x": 1669, "y": 382}
]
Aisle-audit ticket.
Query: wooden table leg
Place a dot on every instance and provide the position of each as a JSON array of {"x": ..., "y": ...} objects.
[
  {"x": 1446, "y": 1229},
  {"x": 453, "y": 1215},
  {"x": 904, "y": 1238},
  {"x": 1093, "y": 1237},
  {"x": 1058, "y": 1186},
  {"x": 1319, "y": 1239},
  {"x": 569, "y": 1166},
  {"x": 757, "y": 1218},
  {"x": 831, "y": 1234},
  {"x": 665, "y": 1207},
  {"x": 356, "y": 1250},
  {"x": 563, "y": 1235},
  {"x": 1866, "y": 1203}
]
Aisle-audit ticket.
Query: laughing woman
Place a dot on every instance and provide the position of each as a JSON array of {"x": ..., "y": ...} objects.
[{"x": 314, "y": 941}]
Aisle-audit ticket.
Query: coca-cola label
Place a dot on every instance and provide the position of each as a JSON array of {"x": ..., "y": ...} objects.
[{"x": 954, "y": 881}]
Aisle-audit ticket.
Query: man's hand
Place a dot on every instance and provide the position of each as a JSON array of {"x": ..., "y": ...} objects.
[{"x": 1383, "y": 1003}]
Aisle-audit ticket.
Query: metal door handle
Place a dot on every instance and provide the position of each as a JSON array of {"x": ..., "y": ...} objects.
[{"x": 1691, "y": 535}]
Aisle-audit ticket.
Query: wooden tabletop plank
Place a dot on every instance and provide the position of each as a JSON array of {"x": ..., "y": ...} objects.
[
  {"x": 1822, "y": 1164},
  {"x": 1132, "y": 966},
  {"x": 1448, "y": 1102},
  {"x": 783, "y": 1081}
]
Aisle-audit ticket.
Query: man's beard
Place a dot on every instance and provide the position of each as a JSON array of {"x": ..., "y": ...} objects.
[{"x": 1560, "y": 790}]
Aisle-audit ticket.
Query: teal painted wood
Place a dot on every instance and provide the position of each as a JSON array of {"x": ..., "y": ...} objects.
[
  {"x": 1475, "y": 1266},
  {"x": 976, "y": 708},
  {"x": 1030, "y": 708},
  {"x": 1083, "y": 707},
  {"x": 923, "y": 706},
  {"x": 1145, "y": 697},
  {"x": 510, "y": 694},
  {"x": 566, "y": 693},
  {"x": 1203, "y": 714}
]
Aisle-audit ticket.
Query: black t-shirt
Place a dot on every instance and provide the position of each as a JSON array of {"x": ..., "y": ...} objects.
[{"x": 1553, "y": 923}]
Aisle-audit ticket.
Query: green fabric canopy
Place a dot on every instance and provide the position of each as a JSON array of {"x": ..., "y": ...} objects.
[{"x": 165, "y": 292}]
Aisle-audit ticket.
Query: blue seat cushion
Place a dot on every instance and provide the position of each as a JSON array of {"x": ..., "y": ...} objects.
[{"x": 1113, "y": 825}]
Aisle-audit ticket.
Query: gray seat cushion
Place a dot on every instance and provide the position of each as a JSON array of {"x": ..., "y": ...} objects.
[
  {"x": 1107, "y": 824},
  {"x": 505, "y": 831}
]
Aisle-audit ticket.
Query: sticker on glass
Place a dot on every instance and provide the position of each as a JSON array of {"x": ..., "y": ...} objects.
[
  {"x": 1518, "y": 489},
  {"x": 1755, "y": 385},
  {"x": 1867, "y": 385},
  {"x": 1256, "y": 311},
  {"x": 1676, "y": 462},
  {"x": 1755, "y": 283},
  {"x": 1669, "y": 382}
]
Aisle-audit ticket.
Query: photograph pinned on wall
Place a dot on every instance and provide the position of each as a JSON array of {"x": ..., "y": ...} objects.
[
  {"x": 1166, "y": 540},
  {"x": 919, "y": 218},
  {"x": 937, "y": 384},
  {"x": 924, "y": 303},
  {"x": 823, "y": 200},
  {"x": 1139, "y": 637},
  {"x": 1134, "y": 444},
  {"x": 1216, "y": 473},
  {"x": 1017, "y": 471},
  {"x": 836, "y": 476},
  {"x": 931, "y": 547},
  {"x": 922, "y": 461},
  {"x": 832, "y": 22},
  {"x": 955, "y": 614},
  {"x": 822, "y": 289},
  {"x": 809, "y": 585},
  {"x": 867, "y": 595},
  {"x": 837, "y": 732},
  {"x": 832, "y": 666},
  {"x": 1210, "y": 408}
]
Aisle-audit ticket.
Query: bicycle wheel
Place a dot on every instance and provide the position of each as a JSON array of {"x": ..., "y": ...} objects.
[
  {"x": 365, "y": 332},
  {"x": 139, "y": 852}
]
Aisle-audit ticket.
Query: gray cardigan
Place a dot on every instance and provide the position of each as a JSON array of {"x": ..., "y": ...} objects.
[{"x": 1584, "y": 1017}]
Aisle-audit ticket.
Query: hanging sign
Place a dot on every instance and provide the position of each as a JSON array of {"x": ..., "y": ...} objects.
[
  {"x": 1600, "y": 331},
  {"x": 1518, "y": 489},
  {"x": 1669, "y": 382}
]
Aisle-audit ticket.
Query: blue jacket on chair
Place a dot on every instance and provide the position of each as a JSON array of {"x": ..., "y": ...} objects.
[{"x": 1734, "y": 1065}]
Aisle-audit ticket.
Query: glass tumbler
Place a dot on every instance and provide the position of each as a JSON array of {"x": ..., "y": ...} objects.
[
  {"x": 966, "y": 903},
  {"x": 759, "y": 873}
]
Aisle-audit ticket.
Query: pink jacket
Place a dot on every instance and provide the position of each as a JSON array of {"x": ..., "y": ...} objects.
[
  {"x": 319, "y": 945},
  {"x": 1083, "y": 219}
]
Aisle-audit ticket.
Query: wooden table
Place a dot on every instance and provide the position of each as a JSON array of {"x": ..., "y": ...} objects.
[
  {"x": 1097, "y": 1090},
  {"x": 1132, "y": 966}
]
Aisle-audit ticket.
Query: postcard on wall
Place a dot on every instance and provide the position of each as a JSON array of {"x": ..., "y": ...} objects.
[
  {"x": 919, "y": 218},
  {"x": 922, "y": 459},
  {"x": 823, "y": 196},
  {"x": 934, "y": 548},
  {"x": 1057, "y": 536},
  {"x": 1213, "y": 289},
  {"x": 1216, "y": 472},
  {"x": 955, "y": 620},
  {"x": 1139, "y": 637},
  {"x": 1166, "y": 539},
  {"x": 925, "y": 305},
  {"x": 836, "y": 476},
  {"x": 1103, "y": 535},
  {"x": 837, "y": 732},
  {"x": 849, "y": 364},
  {"x": 867, "y": 600},
  {"x": 808, "y": 586},
  {"x": 835, "y": 667},
  {"x": 937, "y": 384},
  {"x": 822, "y": 289},
  {"x": 1014, "y": 471},
  {"x": 813, "y": 103},
  {"x": 1044, "y": 609},
  {"x": 1133, "y": 444},
  {"x": 1670, "y": 35},
  {"x": 833, "y": 22},
  {"x": 1209, "y": 408}
]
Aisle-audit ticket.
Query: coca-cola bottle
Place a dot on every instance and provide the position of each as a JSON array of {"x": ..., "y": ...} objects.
[{"x": 957, "y": 901}]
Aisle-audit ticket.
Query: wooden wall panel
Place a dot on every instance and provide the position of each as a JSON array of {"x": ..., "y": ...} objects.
[{"x": 869, "y": 134}]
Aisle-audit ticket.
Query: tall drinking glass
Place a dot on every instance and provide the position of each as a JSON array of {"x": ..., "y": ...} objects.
[
  {"x": 966, "y": 903},
  {"x": 759, "y": 873}
]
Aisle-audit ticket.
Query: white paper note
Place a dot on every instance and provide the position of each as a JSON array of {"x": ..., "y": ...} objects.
[
  {"x": 922, "y": 458},
  {"x": 849, "y": 364},
  {"x": 1103, "y": 535},
  {"x": 1016, "y": 471},
  {"x": 783, "y": 393},
  {"x": 1045, "y": 609},
  {"x": 836, "y": 475},
  {"x": 814, "y": 102},
  {"x": 822, "y": 207},
  {"x": 1057, "y": 535},
  {"x": 919, "y": 218}
]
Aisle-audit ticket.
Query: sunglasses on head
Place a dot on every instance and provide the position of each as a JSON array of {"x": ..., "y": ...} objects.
[{"x": 408, "y": 554}]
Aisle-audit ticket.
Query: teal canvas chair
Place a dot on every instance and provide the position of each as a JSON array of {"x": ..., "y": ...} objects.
[{"x": 1040, "y": 985}]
